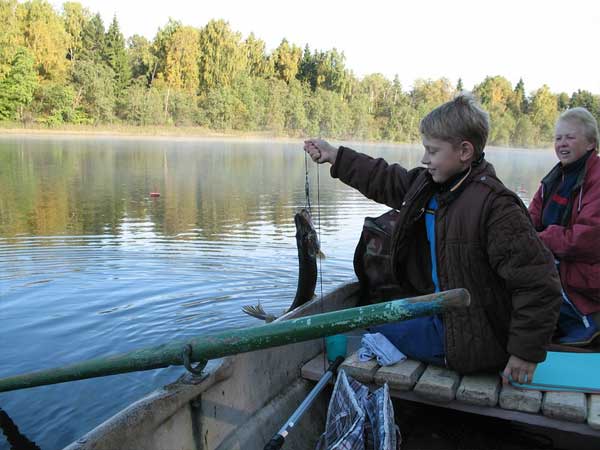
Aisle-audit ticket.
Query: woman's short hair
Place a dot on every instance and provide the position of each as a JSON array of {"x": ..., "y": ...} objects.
[
  {"x": 585, "y": 118},
  {"x": 460, "y": 119}
]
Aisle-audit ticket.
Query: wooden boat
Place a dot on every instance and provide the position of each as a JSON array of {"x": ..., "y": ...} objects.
[{"x": 241, "y": 401}]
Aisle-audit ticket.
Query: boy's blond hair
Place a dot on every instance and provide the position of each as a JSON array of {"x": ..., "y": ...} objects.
[
  {"x": 586, "y": 120},
  {"x": 458, "y": 120}
]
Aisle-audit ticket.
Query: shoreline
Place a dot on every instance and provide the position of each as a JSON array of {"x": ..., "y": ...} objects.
[
  {"x": 189, "y": 134},
  {"x": 158, "y": 132}
]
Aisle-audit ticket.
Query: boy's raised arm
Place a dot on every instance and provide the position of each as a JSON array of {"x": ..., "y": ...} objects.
[{"x": 373, "y": 177}]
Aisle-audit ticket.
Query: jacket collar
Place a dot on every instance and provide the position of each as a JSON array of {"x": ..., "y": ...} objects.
[{"x": 556, "y": 172}]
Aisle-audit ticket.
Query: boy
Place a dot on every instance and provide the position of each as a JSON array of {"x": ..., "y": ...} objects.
[{"x": 459, "y": 226}]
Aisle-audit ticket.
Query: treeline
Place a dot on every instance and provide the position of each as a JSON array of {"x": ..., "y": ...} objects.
[{"x": 59, "y": 67}]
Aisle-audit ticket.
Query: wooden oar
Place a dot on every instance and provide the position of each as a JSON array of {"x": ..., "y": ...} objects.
[{"x": 203, "y": 348}]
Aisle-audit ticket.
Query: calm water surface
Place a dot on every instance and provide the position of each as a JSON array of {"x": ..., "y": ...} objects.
[{"x": 91, "y": 265}]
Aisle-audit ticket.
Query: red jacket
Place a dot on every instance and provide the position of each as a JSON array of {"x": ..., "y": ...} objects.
[{"x": 576, "y": 245}]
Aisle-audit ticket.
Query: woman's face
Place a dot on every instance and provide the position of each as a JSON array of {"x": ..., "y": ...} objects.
[{"x": 570, "y": 142}]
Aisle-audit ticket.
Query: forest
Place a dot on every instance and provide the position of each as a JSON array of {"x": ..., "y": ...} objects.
[{"x": 68, "y": 67}]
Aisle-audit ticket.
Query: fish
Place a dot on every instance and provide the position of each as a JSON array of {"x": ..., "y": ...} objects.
[{"x": 309, "y": 249}]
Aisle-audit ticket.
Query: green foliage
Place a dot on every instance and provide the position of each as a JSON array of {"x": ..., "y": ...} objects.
[
  {"x": 92, "y": 40},
  {"x": 258, "y": 63},
  {"x": 94, "y": 85},
  {"x": 428, "y": 94},
  {"x": 142, "y": 106},
  {"x": 287, "y": 60},
  {"x": 182, "y": 54},
  {"x": 54, "y": 104},
  {"x": 525, "y": 134},
  {"x": 45, "y": 36},
  {"x": 586, "y": 100},
  {"x": 544, "y": 112},
  {"x": 519, "y": 105},
  {"x": 326, "y": 70},
  {"x": 116, "y": 56},
  {"x": 75, "y": 18},
  {"x": 143, "y": 62},
  {"x": 11, "y": 37},
  {"x": 222, "y": 56},
  {"x": 68, "y": 69},
  {"x": 221, "y": 108},
  {"x": 17, "y": 86}
]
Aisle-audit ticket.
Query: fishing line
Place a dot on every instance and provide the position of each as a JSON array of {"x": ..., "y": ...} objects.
[
  {"x": 307, "y": 184},
  {"x": 320, "y": 272}
]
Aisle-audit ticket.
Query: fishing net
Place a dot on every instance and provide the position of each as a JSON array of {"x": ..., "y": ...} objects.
[{"x": 359, "y": 420}]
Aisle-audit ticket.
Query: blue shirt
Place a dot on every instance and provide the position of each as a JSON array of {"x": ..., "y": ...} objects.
[{"x": 430, "y": 226}]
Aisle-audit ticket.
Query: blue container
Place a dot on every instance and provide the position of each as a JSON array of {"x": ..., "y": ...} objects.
[{"x": 336, "y": 345}]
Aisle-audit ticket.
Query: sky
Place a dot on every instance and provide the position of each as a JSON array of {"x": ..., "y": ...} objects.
[{"x": 544, "y": 42}]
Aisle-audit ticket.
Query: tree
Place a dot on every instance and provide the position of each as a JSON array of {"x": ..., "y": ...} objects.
[
  {"x": 17, "y": 87},
  {"x": 141, "y": 59},
  {"x": 92, "y": 40},
  {"x": 543, "y": 113},
  {"x": 459, "y": 85},
  {"x": 44, "y": 34},
  {"x": 258, "y": 63},
  {"x": 160, "y": 47},
  {"x": 498, "y": 98},
  {"x": 331, "y": 72},
  {"x": 307, "y": 69},
  {"x": 428, "y": 94},
  {"x": 181, "y": 65},
  {"x": 377, "y": 88},
  {"x": 75, "y": 17},
  {"x": 11, "y": 37},
  {"x": 222, "y": 57},
  {"x": 287, "y": 60},
  {"x": 518, "y": 104},
  {"x": 142, "y": 105},
  {"x": 495, "y": 93},
  {"x": 563, "y": 101},
  {"x": 525, "y": 133},
  {"x": 95, "y": 91},
  {"x": 54, "y": 104},
  {"x": 586, "y": 100},
  {"x": 116, "y": 57}
]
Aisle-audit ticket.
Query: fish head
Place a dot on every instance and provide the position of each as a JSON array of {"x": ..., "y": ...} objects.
[{"x": 306, "y": 235}]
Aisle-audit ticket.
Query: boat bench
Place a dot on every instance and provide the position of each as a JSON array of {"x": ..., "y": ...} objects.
[{"x": 482, "y": 394}]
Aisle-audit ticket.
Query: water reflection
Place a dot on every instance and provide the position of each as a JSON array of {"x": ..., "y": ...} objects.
[{"x": 91, "y": 265}]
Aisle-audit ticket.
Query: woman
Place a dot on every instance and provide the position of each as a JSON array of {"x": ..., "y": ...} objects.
[{"x": 566, "y": 213}]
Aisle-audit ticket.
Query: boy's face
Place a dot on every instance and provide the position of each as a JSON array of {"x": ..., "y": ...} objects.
[
  {"x": 444, "y": 160},
  {"x": 570, "y": 142}
]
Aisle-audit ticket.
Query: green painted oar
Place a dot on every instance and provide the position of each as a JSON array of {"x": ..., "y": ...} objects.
[{"x": 203, "y": 348}]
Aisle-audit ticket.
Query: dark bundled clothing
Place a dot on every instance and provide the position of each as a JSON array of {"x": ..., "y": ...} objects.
[
  {"x": 561, "y": 191},
  {"x": 485, "y": 243}
]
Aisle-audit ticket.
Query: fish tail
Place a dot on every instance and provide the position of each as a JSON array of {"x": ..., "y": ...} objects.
[{"x": 258, "y": 312}]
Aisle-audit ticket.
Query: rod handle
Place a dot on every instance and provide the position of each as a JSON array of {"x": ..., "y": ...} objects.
[{"x": 275, "y": 443}]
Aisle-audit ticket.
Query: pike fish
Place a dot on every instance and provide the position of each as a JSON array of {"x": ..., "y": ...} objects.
[{"x": 309, "y": 249}]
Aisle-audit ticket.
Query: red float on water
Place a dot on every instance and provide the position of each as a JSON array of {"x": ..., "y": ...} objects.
[{"x": 154, "y": 194}]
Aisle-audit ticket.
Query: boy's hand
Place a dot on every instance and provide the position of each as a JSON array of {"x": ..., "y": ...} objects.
[
  {"x": 320, "y": 151},
  {"x": 520, "y": 370}
]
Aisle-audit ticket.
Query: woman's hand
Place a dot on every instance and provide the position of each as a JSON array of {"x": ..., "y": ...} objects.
[
  {"x": 320, "y": 151},
  {"x": 519, "y": 370}
]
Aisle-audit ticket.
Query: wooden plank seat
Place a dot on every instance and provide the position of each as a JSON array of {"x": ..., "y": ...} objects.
[{"x": 481, "y": 394}]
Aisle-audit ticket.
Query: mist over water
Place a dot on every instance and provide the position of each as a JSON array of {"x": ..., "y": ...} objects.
[{"x": 91, "y": 265}]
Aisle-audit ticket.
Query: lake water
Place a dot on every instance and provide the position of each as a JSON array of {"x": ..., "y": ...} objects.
[{"x": 91, "y": 265}]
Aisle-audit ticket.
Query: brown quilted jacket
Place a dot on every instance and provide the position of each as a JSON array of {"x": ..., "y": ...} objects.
[{"x": 485, "y": 243}]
